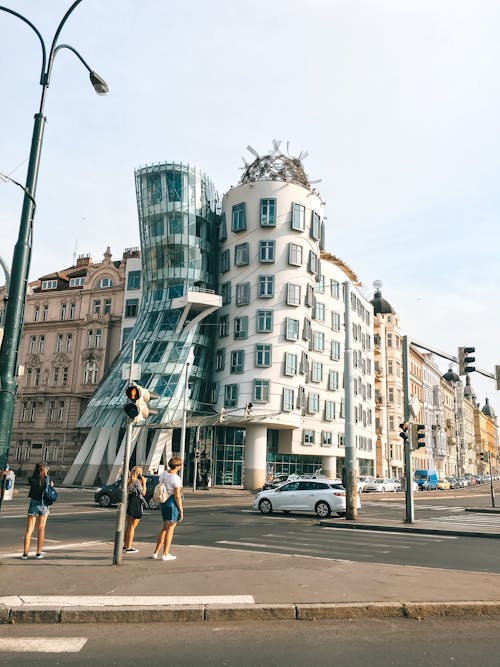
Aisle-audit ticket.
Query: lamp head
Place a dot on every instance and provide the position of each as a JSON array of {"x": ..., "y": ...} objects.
[{"x": 100, "y": 86}]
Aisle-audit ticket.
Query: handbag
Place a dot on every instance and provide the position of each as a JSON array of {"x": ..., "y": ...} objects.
[
  {"x": 49, "y": 495},
  {"x": 160, "y": 494},
  {"x": 134, "y": 506}
]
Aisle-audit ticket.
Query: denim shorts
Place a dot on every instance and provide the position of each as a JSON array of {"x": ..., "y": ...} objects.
[
  {"x": 169, "y": 510},
  {"x": 37, "y": 508}
]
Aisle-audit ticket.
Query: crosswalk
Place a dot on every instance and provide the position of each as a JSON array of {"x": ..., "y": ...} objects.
[
  {"x": 42, "y": 644},
  {"x": 419, "y": 506},
  {"x": 469, "y": 519}
]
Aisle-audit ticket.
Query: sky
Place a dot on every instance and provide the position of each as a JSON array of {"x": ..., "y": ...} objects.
[{"x": 397, "y": 104}]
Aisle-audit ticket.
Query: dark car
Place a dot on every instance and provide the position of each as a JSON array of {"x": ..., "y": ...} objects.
[{"x": 110, "y": 494}]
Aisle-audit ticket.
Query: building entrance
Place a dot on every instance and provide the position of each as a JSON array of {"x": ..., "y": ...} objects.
[{"x": 230, "y": 444}]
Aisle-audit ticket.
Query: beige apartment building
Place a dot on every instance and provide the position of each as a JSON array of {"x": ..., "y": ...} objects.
[{"x": 71, "y": 334}]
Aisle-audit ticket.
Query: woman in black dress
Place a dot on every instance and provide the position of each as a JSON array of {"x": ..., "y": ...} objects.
[{"x": 135, "y": 499}]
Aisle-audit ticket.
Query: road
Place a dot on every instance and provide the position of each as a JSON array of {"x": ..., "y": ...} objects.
[
  {"x": 378, "y": 643},
  {"x": 229, "y": 523}
]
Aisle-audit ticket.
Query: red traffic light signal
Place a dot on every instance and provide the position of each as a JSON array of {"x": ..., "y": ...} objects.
[{"x": 132, "y": 392}]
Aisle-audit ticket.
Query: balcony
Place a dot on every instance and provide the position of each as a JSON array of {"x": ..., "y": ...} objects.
[{"x": 198, "y": 301}]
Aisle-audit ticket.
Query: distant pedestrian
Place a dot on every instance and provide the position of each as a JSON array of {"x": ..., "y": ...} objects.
[
  {"x": 136, "y": 489},
  {"x": 38, "y": 511},
  {"x": 171, "y": 510}
]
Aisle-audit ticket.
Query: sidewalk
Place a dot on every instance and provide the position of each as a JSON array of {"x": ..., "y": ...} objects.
[{"x": 78, "y": 584}]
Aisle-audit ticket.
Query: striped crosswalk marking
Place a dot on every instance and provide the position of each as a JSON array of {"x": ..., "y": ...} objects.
[
  {"x": 120, "y": 600},
  {"x": 42, "y": 644}
]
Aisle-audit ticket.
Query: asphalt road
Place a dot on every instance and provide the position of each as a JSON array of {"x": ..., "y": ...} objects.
[
  {"x": 378, "y": 643},
  {"x": 230, "y": 523}
]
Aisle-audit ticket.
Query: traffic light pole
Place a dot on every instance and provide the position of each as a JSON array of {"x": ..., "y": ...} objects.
[
  {"x": 349, "y": 445},
  {"x": 120, "y": 512},
  {"x": 491, "y": 483},
  {"x": 410, "y": 511}
]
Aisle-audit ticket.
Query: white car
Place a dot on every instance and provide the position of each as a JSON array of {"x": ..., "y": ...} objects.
[
  {"x": 381, "y": 484},
  {"x": 304, "y": 495},
  {"x": 363, "y": 481}
]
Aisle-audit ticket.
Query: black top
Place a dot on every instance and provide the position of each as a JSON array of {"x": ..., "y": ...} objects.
[{"x": 36, "y": 488}]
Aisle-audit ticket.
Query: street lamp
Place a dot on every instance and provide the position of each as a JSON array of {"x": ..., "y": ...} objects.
[{"x": 14, "y": 311}]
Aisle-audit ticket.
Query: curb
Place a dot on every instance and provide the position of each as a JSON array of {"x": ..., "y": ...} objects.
[
  {"x": 483, "y": 510},
  {"x": 257, "y": 612},
  {"x": 410, "y": 529}
]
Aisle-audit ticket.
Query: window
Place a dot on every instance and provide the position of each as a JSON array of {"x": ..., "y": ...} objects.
[
  {"x": 223, "y": 228},
  {"x": 320, "y": 285},
  {"x": 55, "y": 375},
  {"x": 226, "y": 293},
  {"x": 335, "y": 289},
  {"x": 240, "y": 327},
  {"x": 315, "y": 226},
  {"x": 96, "y": 307},
  {"x": 267, "y": 212},
  {"x": 49, "y": 284},
  {"x": 60, "y": 411},
  {"x": 90, "y": 336},
  {"x": 45, "y": 312},
  {"x": 291, "y": 361},
  {"x": 317, "y": 371},
  {"x": 105, "y": 283},
  {"x": 293, "y": 294},
  {"x": 63, "y": 310},
  {"x": 313, "y": 265},
  {"x": 295, "y": 254},
  {"x": 261, "y": 391},
  {"x": 319, "y": 312},
  {"x": 304, "y": 364},
  {"x": 32, "y": 344},
  {"x": 309, "y": 300},
  {"x": 266, "y": 286},
  {"x": 77, "y": 282},
  {"x": 243, "y": 294},
  {"x": 51, "y": 411},
  {"x": 239, "y": 222},
  {"x": 335, "y": 353},
  {"x": 71, "y": 315},
  {"x": 107, "y": 306},
  {"x": 307, "y": 437},
  {"x": 220, "y": 360},
  {"x": 237, "y": 361},
  {"x": 241, "y": 254},
  {"x": 301, "y": 397},
  {"x": 333, "y": 380},
  {"x": 288, "y": 399},
  {"x": 90, "y": 373},
  {"x": 336, "y": 321},
  {"x": 41, "y": 343},
  {"x": 266, "y": 251},
  {"x": 390, "y": 367},
  {"x": 59, "y": 342},
  {"x": 27, "y": 377},
  {"x": 263, "y": 355},
  {"x": 264, "y": 321},
  {"x": 318, "y": 341},
  {"x": 36, "y": 314},
  {"x": 292, "y": 329},
  {"x": 98, "y": 337},
  {"x": 36, "y": 377},
  {"x": 174, "y": 185},
  {"x": 313, "y": 403},
  {"x": 225, "y": 261},
  {"x": 230, "y": 395},
  {"x": 306, "y": 329},
  {"x": 134, "y": 280},
  {"x": 326, "y": 439},
  {"x": 154, "y": 188},
  {"x": 28, "y": 411},
  {"x": 389, "y": 340},
  {"x": 131, "y": 307},
  {"x": 224, "y": 326},
  {"x": 329, "y": 411},
  {"x": 298, "y": 217}
]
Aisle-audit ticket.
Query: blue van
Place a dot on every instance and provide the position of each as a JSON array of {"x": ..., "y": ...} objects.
[{"x": 427, "y": 480}]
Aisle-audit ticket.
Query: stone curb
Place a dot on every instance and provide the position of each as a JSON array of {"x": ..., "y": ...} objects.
[
  {"x": 410, "y": 529},
  {"x": 258, "y": 612},
  {"x": 483, "y": 510}
]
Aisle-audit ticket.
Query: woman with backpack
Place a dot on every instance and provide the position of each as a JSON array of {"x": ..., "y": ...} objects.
[
  {"x": 38, "y": 509},
  {"x": 136, "y": 489},
  {"x": 171, "y": 510}
]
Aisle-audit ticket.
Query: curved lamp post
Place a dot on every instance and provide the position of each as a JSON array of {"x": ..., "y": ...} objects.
[{"x": 21, "y": 259}]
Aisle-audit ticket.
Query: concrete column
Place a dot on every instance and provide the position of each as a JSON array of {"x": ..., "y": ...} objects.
[
  {"x": 329, "y": 466},
  {"x": 255, "y": 456}
]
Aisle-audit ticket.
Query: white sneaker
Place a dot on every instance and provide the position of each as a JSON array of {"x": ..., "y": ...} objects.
[
  {"x": 168, "y": 557},
  {"x": 154, "y": 556}
]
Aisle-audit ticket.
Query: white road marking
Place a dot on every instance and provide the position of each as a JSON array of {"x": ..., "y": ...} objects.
[
  {"x": 56, "y": 547},
  {"x": 121, "y": 600},
  {"x": 437, "y": 538},
  {"x": 42, "y": 644}
]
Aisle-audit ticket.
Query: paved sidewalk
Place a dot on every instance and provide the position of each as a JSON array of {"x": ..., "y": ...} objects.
[{"x": 79, "y": 584}]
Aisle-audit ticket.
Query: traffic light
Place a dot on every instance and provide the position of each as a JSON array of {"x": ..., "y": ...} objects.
[
  {"x": 404, "y": 431},
  {"x": 464, "y": 360},
  {"x": 222, "y": 415},
  {"x": 137, "y": 408},
  {"x": 420, "y": 435},
  {"x": 497, "y": 377},
  {"x": 482, "y": 456},
  {"x": 248, "y": 408}
]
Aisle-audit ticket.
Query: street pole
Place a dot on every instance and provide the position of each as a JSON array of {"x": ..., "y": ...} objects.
[
  {"x": 491, "y": 482},
  {"x": 349, "y": 445},
  {"x": 410, "y": 514},
  {"x": 189, "y": 361},
  {"x": 14, "y": 312},
  {"x": 196, "y": 456},
  {"x": 120, "y": 510}
]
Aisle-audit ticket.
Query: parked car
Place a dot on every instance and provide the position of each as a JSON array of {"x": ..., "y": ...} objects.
[
  {"x": 426, "y": 479},
  {"x": 381, "y": 484},
  {"x": 277, "y": 480},
  {"x": 443, "y": 484},
  {"x": 304, "y": 495},
  {"x": 363, "y": 481},
  {"x": 110, "y": 494},
  {"x": 453, "y": 482}
]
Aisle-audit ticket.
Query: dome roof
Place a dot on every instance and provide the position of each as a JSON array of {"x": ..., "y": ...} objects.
[
  {"x": 450, "y": 376},
  {"x": 380, "y": 305},
  {"x": 487, "y": 409},
  {"x": 275, "y": 166}
]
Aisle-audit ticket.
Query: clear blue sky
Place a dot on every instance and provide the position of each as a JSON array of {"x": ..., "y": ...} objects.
[{"x": 396, "y": 102}]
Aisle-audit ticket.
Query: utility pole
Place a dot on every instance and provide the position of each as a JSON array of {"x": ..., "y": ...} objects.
[
  {"x": 349, "y": 444},
  {"x": 492, "y": 490},
  {"x": 410, "y": 514},
  {"x": 189, "y": 363}
]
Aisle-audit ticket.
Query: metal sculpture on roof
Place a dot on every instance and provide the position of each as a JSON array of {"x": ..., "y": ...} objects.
[{"x": 275, "y": 166}]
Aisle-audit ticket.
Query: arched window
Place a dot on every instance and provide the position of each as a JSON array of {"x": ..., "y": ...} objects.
[{"x": 104, "y": 283}]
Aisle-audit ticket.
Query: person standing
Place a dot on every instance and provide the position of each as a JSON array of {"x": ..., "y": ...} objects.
[
  {"x": 37, "y": 510},
  {"x": 136, "y": 489},
  {"x": 171, "y": 510}
]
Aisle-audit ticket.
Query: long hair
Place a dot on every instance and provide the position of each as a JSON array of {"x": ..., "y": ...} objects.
[
  {"x": 134, "y": 474},
  {"x": 40, "y": 472}
]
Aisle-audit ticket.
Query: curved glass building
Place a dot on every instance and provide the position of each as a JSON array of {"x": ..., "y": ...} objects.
[{"x": 178, "y": 220}]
